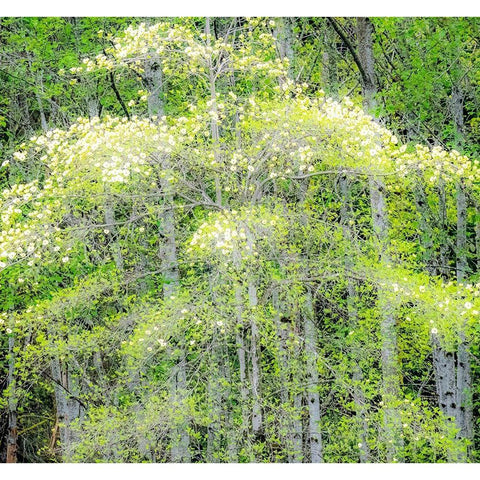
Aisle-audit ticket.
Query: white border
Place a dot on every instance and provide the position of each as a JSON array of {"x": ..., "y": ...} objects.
[
  {"x": 137, "y": 8},
  {"x": 239, "y": 471}
]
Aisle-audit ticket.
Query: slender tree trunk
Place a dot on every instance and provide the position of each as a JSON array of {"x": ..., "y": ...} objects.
[
  {"x": 358, "y": 393},
  {"x": 241, "y": 357},
  {"x": 291, "y": 419},
  {"x": 444, "y": 363},
  {"x": 255, "y": 360},
  {"x": 464, "y": 381},
  {"x": 112, "y": 233},
  {"x": 367, "y": 60},
  {"x": 297, "y": 451},
  {"x": 462, "y": 264},
  {"x": 390, "y": 367},
  {"x": 214, "y": 109},
  {"x": 425, "y": 231},
  {"x": 181, "y": 440},
  {"x": 255, "y": 394},
  {"x": 284, "y": 36},
  {"x": 69, "y": 408},
  {"x": 231, "y": 437},
  {"x": 442, "y": 205},
  {"x": 477, "y": 235},
  {"x": 314, "y": 437},
  {"x": 313, "y": 397},
  {"x": 329, "y": 65},
  {"x": 153, "y": 80},
  {"x": 215, "y": 391},
  {"x": 12, "y": 435},
  {"x": 464, "y": 376}
]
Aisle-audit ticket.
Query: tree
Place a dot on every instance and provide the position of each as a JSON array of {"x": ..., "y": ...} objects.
[{"x": 232, "y": 271}]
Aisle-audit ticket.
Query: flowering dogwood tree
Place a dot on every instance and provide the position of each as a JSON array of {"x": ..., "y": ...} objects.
[{"x": 191, "y": 273}]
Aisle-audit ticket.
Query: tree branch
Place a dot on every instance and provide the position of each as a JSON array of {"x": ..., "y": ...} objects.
[
  {"x": 117, "y": 94},
  {"x": 350, "y": 47}
]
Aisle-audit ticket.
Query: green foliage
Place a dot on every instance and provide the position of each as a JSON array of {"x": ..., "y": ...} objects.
[{"x": 192, "y": 269}]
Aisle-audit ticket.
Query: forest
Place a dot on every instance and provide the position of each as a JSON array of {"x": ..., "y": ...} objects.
[{"x": 239, "y": 240}]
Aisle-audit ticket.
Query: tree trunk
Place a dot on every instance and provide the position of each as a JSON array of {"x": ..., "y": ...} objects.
[
  {"x": 153, "y": 80},
  {"x": 112, "y": 233},
  {"x": 462, "y": 264},
  {"x": 390, "y": 367},
  {"x": 215, "y": 391},
  {"x": 425, "y": 231},
  {"x": 214, "y": 127},
  {"x": 358, "y": 393},
  {"x": 69, "y": 408},
  {"x": 241, "y": 357},
  {"x": 477, "y": 236},
  {"x": 442, "y": 206},
  {"x": 12, "y": 435},
  {"x": 464, "y": 417},
  {"x": 284, "y": 36},
  {"x": 180, "y": 438},
  {"x": 313, "y": 397},
  {"x": 255, "y": 360},
  {"x": 464, "y": 375},
  {"x": 231, "y": 437},
  {"x": 291, "y": 419},
  {"x": 367, "y": 60}
]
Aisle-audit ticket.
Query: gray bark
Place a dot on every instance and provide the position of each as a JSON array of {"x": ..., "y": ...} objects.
[
  {"x": 255, "y": 360},
  {"x": 390, "y": 367},
  {"x": 231, "y": 440},
  {"x": 153, "y": 79},
  {"x": 297, "y": 454},
  {"x": 464, "y": 416},
  {"x": 92, "y": 107},
  {"x": 313, "y": 397},
  {"x": 477, "y": 235},
  {"x": 215, "y": 391},
  {"x": 12, "y": 435},
  {"x": 425, "y": 233},
  {"x": 112, "y": 235},
  {"x": 462, "y": 264},
  {"x": 464, "y": 379},
  {"x": 442, "y": 205},
  {"x": 293, "y": 423},
  {"x": 168, "y": 250},
  {"x": 257, "y": 420},
  {"x": 69, "y": 409},
  {"x": 451, "y": 369},
  {"x": 358, "y": 393},
  {"x": 284, "y": 36},
  {"x": 214, "y": 122},
  {"x": 241, "y": 357},
  {"x": 180, "y": 438},
  {"x": 367, "y": 60},
  {"x": 444, "y": 364}
]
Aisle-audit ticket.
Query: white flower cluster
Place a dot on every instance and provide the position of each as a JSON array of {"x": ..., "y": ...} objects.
[
  {"x": 90, "y": 152},
  {"x": 223, "y": 234},
  {"x": 436, "y": 163},
  {"x": 234, "y": 235},
  {"x": 444, "y": 305}
]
